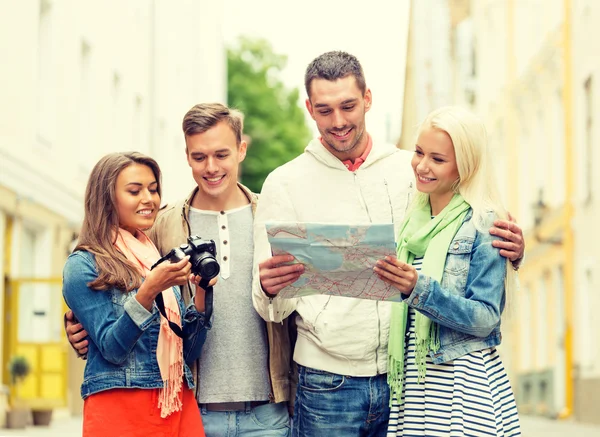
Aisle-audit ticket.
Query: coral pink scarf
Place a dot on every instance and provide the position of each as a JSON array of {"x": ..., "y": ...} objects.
[{"x": 169, "y": 352}]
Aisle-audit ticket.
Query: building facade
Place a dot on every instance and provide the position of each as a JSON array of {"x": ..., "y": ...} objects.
[
  {"x": 427, "y": 84},
  {"x": 585, "y": 16},
  {"x": 527, "y": 67},
  {"x": 81, "y": 79}
]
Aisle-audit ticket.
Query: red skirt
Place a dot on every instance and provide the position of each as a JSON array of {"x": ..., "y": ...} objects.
[{"x": 135, "y": 412}]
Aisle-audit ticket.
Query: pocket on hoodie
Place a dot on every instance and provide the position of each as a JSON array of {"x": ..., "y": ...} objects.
[{"x": 345, "y": 327}]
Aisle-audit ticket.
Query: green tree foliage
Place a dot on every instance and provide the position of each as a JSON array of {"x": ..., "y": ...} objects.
[{"x": 274, "y": 121}]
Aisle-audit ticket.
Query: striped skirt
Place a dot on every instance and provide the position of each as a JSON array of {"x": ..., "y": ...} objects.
[{"x": 470, "y": 396}]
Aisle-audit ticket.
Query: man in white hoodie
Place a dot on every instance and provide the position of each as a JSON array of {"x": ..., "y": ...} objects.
[{"x": 342, "y": 177}]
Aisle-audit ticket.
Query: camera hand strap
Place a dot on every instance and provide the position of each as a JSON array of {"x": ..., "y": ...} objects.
[
  {"x": 208, "y": 297},
  {"x": 160, "y": 303},
  {"x": 164, "y": 258}
]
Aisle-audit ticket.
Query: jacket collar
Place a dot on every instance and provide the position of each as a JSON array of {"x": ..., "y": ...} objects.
[
  {"x": 185, "y": 208},
  {"x": 379, "y": 151}
]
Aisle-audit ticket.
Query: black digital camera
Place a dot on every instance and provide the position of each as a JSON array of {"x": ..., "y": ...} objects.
[{"x": 202, "y": 254}]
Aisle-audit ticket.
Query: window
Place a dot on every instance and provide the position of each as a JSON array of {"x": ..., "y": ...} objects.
[
  {"x": 525, "y": 327},
  {"x": 526, "y": 190},
  {"x": 588, "y": 153},
  {"x": 46, "y": 97},
  {"x": 499, "y": 157},
  {"x": 85, "y": 109},
  {"x": 38, "y": 311},
  {"x": 587, "y": 337},
  {"x": 27, "y": 264},
  {"x": 117, "y": 112},
  {"x": 557, "y": 143},
  {"x": 137, "y": 133},
  {"x": 539, "y": 145},
  {"x": 559, "y": 329},
  {"x": 542, "y": 338}
]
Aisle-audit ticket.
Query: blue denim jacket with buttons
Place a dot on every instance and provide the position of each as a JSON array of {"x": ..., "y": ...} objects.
[
  {"x": 122, "y": 334},
  {"x": 468, "y": 302}
]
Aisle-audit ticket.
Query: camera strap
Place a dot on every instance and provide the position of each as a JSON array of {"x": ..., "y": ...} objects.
[
  {"x": 160, "y": 304},
  {"x": 164, "y": 258}
]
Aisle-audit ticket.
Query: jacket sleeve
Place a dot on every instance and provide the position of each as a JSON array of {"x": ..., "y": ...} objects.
[
  {"x": 114, "y": 336},
  {"x": 195, "y": 328},
  {"x": 274, "y": 205},
  {"x": 478, "y": 311}
]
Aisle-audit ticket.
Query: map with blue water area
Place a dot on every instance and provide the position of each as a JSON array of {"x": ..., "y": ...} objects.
[{"x": 338, "y": 259}]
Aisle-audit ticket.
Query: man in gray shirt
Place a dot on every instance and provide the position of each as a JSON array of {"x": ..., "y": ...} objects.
[{"x": 243, "y": 374}]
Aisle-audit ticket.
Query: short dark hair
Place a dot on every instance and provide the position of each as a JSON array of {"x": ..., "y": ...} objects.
[
  {"x": 204, "y": 116},
  {"x": 332, "y": 66}
]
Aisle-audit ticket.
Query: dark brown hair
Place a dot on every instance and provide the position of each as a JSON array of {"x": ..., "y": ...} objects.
[{"x": 333, "y": 66}]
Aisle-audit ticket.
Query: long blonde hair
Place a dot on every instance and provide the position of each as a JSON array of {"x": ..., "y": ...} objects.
[
  {"x": 101, "y": 220},
  {"x": 476, "y": 183}
]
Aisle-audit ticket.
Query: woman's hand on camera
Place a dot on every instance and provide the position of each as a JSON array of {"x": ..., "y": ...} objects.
[
  {"x": 200, "y": 292},
  {"x": 162, "y": 277}
]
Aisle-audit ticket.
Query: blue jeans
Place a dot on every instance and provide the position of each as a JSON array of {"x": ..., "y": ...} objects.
[
  {"x": 269, "y": 420},
  {"x": 331, "y": 405}
]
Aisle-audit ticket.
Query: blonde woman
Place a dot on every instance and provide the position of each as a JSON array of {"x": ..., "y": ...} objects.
[{"x": 445, "y": 374}]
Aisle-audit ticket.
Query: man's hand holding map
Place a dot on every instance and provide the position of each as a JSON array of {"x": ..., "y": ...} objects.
[{"x": 338, "y": 259}]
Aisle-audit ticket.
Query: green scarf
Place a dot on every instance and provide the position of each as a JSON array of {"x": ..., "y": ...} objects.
[{"x": 421, "y": 236}]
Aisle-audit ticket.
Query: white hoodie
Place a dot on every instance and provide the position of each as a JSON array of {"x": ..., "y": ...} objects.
[{"x": 336, "y": 334}]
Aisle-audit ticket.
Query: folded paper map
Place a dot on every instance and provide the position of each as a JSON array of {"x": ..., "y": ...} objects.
[{"x": 338, "y": 259}]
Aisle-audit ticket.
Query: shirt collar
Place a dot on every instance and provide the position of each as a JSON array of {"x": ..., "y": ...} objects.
[{"x": 353, "y": 166}]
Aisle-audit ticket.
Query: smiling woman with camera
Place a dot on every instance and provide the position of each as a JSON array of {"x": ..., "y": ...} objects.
[{"x": 136, "y": 379}]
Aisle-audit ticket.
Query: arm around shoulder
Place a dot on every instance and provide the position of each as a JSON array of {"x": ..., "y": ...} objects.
[
  {"x": 114, "y": 336},
  {"x": 478, "y": 310}
]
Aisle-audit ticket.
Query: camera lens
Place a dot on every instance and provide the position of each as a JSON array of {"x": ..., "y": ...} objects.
[
  {"x": 209, "y": 268},
  {"x": 205, "y": 265}
]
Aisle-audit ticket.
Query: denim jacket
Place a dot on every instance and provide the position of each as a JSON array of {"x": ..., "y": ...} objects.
[
  {"x": 122, "y": 334},
  {"x": 469, "y": 301}
]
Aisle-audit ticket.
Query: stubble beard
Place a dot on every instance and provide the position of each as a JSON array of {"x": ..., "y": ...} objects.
[{"x": 349, "y": 148}]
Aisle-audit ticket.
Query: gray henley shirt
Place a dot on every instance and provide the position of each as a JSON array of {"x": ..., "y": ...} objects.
[{"x": 233, "y": 364}]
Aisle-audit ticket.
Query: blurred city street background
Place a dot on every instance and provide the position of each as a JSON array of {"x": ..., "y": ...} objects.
[{"x": 81, "y": 79}]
